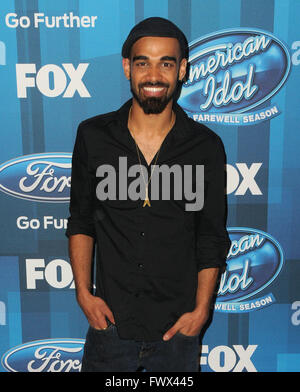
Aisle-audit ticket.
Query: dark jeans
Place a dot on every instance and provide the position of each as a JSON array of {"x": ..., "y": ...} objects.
[{"x": 104, "y": 351}]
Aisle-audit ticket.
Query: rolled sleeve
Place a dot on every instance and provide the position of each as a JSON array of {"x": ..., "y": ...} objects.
[
  {"x": 82, "y": 193},
  {"x": 212, "y": 240}
]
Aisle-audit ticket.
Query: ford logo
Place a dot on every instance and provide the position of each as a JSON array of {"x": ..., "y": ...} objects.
[
  {"x": 51, "y": 355},
  {"x": 231, "y": 73},
  {"x": 38, "y": 177},
  {"x": 254, "y": 260}
]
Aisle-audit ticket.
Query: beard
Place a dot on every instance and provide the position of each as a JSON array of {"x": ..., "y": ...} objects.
[{"x": 152, "y": 105}]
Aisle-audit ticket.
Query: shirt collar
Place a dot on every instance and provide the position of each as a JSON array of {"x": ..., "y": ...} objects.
[{"x": 181, "y": 127}]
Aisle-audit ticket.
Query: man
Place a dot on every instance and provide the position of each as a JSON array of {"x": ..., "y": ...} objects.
[{"x": 158, "y": 258}]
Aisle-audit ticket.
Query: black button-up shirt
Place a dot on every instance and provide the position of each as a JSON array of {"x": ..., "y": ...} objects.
[{"x": 148, "y": 258}]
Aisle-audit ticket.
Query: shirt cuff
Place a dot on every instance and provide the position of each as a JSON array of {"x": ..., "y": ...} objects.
[
  {"x": 221, "y": 264},
  {"x": 78, "y": 227}
]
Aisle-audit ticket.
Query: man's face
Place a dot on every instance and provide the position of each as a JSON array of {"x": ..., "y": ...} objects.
[{"x": 154, "y": 69}]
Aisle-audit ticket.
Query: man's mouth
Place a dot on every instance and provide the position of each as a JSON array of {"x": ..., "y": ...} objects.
[{"x": 153, "y": 91}]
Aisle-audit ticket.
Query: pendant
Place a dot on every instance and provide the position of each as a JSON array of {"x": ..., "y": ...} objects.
[{"x": 147, "y": 201}]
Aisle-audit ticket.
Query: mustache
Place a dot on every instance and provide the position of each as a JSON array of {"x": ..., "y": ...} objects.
[{"x": 153, "y": 84}]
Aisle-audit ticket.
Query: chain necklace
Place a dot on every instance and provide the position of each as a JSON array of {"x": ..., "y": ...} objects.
[{"x": 147, "y": 201}]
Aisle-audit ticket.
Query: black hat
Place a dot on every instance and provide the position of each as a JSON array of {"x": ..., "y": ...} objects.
[{"x": 155, "y": 27}]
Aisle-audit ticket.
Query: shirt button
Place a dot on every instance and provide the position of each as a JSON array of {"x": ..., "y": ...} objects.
[
  {"x": 142, "y": 233},
  {"x": 140, "y": 265}
]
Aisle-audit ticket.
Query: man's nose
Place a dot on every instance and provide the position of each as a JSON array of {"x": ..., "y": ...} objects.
[{"x": 154, "y": 74}]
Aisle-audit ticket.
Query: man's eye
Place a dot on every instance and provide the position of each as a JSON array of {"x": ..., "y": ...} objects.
[
  {"x": 167, "y": 65},
  {"x": 141, "y": 64}
]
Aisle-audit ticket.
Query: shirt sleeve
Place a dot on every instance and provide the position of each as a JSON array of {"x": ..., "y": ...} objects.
[
  {"x": 82, "y": 193},
  {"x": 212, "y": 240}
]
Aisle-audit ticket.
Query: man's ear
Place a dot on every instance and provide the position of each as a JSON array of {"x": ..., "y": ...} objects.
[
  {"x": 126, "y": 67},
  {"x": 182, "y": 69}
]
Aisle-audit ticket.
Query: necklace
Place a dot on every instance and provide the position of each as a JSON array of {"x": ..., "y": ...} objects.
[{"x": 147, "y": 201}]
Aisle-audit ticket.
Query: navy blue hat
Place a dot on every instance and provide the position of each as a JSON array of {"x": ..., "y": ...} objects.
[{"x": 155, "y": 27}]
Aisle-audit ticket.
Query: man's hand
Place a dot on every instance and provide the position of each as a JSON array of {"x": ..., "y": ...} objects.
[
  {"x": 95, "y": 310},
  {"x": 189, "y": 324}
]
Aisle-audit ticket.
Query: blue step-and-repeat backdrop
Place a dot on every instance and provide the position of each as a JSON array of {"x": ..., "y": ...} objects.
[{"x": 60, "y": 63}]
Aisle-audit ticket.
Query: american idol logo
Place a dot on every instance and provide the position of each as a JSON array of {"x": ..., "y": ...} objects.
[
  {"x": 51, "y": 355},
  {"x": 232, "y": 74},
  {"x": 254, "y": 260},
  {"x": 42, "y": 177}
]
